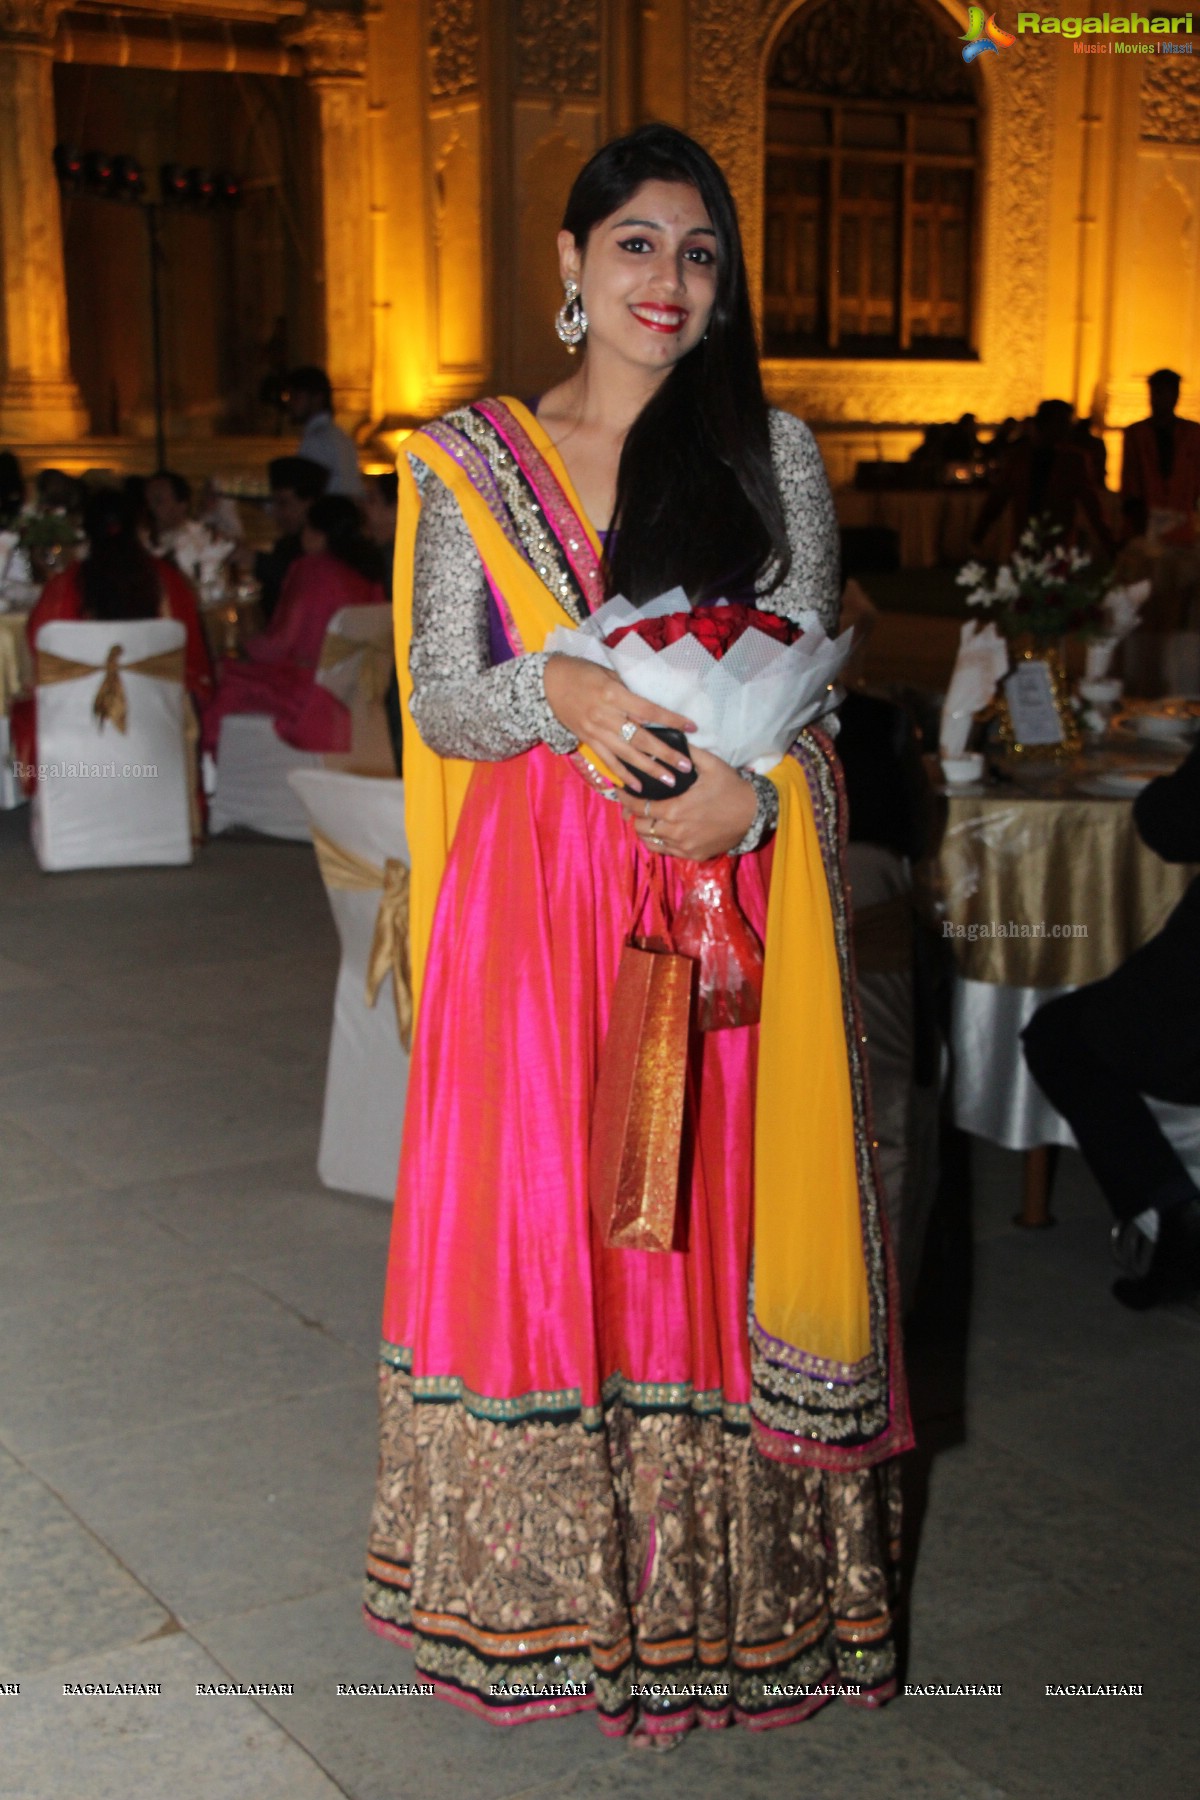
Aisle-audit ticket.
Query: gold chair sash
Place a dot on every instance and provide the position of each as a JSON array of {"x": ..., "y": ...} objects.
[
  {"x": 344, "y": 870},
  {"x": 375, "y": 670},
  {"x": 111, "y": 705}
]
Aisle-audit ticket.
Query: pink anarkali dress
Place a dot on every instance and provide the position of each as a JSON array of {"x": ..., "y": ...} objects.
[{"x": 574, "y": 1506}]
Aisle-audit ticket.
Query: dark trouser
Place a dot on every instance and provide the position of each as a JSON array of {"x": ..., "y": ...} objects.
[{"x": 1095, "y": 1053}]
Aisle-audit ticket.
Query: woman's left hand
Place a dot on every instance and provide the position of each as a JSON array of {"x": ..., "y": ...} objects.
[{"x": 714, "y": 815}]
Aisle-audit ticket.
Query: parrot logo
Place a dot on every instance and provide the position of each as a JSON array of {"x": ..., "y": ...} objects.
[{"x": 982, "y": 34}]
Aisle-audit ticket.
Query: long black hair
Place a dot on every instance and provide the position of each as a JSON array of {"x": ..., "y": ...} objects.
[
  {"x": 339, "y": 522},
  {"x": 119, "y": 579},
  {"x": 698, "y": 505}
]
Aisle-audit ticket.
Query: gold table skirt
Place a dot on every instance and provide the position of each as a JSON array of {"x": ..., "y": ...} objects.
[
  {"x": 16, "y": 664},
  {"x": 1015, "y": 866}
]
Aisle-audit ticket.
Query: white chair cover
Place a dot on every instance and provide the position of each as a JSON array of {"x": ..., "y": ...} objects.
[
  {"x": 996, "y": 1097},
  {"x": 367, "y": 1075},
  {"x": 254, "y": 764},
  {"x": 107, "y": 798},
  {"x": 253, "y": 768}
]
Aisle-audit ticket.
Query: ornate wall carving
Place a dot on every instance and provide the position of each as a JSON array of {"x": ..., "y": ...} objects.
[
  {"x": 1171, "y": 99},
  {"x": 453, "y": 48},
  {"x": 29, "y": 21},
  {"x": 558, "y": 46},
  {"x": 881, "y": 49},
  {"x": 334, "y": 45},
  {"x": 1018, "y": 148}
]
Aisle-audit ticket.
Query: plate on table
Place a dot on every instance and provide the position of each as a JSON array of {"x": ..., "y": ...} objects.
[
  {"x": 1172, "y": 721},
  {"x": 1124, "y": 784}
]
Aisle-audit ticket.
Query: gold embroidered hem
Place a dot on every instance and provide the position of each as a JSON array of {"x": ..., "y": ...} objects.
[{"x": 658, "y": 1568}]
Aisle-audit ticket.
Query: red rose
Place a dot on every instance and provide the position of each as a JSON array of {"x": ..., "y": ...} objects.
[{"x": 718, "y": 628}]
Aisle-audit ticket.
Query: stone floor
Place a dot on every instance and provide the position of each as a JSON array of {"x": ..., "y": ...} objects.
[{"x": 187, "y": 1321}]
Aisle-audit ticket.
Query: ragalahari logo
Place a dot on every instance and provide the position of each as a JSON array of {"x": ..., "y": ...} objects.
[{"x": 982, "y": 34}]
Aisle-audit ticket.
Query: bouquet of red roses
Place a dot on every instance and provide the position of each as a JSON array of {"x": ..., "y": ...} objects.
[{"x": 751, "y": 681}]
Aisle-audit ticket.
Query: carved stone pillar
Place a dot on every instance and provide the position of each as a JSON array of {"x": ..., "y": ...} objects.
[
  {"x": 38, "y": 398},
  {"x": 334, "y": 45}
]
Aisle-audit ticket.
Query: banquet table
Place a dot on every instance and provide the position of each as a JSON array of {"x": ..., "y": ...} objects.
[
  {"x": 1044, "y": 885},
  {"x": 933, "y": 524}
]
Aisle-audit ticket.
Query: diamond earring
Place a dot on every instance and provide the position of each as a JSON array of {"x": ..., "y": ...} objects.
[{"x": 570, "y": 321}]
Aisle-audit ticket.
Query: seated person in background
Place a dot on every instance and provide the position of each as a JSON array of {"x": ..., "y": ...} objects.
[
  {"x": 173, "y": 531},
  {"x": 1045, "y": 475},
  {"x": 1097, "y": 1052},
  {"x": 337, "y": 567},
  {"x": 118, "y": 579},
  {"x": 58, "y": 491},
  {"x": 379, "y": 516},
  {"x": 295, "y": 484},
  {"x": 219, "y": 513}
]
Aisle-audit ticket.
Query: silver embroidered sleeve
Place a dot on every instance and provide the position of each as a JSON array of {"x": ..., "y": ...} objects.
[
  {"x": 766, "y": 813},
  {"x": 813, "y": 581},
  {"x": 462, "y": 705}
]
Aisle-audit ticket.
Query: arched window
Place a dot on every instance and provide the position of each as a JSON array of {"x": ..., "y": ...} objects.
[{"x": 872, "y": 182}]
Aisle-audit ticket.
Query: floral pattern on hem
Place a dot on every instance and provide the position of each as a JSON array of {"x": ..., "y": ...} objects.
[{"x": 660, "y": 1571}]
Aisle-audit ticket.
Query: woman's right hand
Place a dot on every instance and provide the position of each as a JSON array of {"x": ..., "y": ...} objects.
[{"x": 593, "y": 705}]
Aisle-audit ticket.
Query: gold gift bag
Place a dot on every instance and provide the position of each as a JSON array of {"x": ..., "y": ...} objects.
[{"x": 637, "y": 1122}]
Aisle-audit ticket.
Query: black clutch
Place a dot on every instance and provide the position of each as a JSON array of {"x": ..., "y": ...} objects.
[{"x": 652, "y": 787}]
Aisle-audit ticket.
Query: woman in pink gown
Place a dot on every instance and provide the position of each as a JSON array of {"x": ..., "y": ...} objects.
[
  {"x": 338, "y": 568},
  {"x": 603, "y": 1481}
]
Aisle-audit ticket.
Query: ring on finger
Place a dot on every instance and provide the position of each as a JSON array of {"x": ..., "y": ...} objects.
[
  {"x": 628, "y": 730},
  {"x": 657, "y": 841}
]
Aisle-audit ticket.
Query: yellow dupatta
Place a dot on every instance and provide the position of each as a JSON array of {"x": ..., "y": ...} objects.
[{"x": 810, "y": 1269}]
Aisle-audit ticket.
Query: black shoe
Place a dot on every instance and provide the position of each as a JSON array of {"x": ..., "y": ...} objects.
[{"x": 1174, "y": 1270}]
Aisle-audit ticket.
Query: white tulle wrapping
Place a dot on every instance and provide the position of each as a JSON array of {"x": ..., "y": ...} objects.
[{"x": 749, "y": 706}]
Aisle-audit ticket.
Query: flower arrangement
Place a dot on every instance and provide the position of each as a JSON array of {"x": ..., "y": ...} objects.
[
  {"x": 1046, "y": 589},
  {"x": 751, "y": 680},
  {"x": 46, "y": 534},
  {"x": 718, "y": 628}
]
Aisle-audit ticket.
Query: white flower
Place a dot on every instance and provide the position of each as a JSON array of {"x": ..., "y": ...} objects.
[
  {"x": 971, "y": 574},
  {"x": 981, "y": 597},
  {"x": 1007, "y": 585},
  {"x": 1079, "y": 559}
]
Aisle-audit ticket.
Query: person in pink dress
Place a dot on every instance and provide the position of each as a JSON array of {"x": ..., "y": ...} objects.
[
  {"x": 338, "y": 567},
  {"x": 610, "y": 1478}
]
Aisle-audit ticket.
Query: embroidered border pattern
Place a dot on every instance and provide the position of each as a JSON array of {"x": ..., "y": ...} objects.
[
  {"x": 526, "y": 515},
  {"x": 835, "y": 1415},
  {"x": 561, "y": 517},
  {"x": 756, "y": 1684},
  {"x": 567, "y": 1403}
]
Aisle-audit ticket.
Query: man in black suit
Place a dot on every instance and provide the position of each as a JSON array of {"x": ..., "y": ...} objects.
[{"x": 1097, "y": 1052}]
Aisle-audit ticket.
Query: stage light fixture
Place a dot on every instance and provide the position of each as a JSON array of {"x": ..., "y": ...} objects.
[
  {"x": 98, "y": 172},
  {"x": 68, "y": 166},
  {"x": 128, "y": 182},
  {"x": 200, "y": 187},
  {"x": 173, "y": 183}
]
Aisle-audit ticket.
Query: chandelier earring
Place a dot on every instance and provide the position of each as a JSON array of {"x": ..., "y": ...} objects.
[{"x": 570, "y": 321}]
